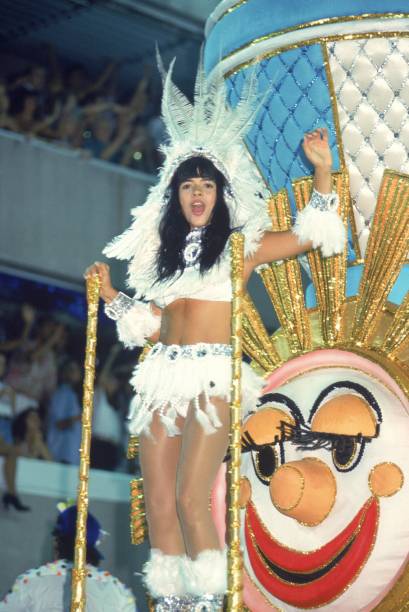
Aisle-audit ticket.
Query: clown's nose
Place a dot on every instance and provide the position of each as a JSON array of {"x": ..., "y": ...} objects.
[{"x": 304, "y": 490}]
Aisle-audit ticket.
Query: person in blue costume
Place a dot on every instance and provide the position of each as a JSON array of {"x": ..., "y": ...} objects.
[
  {"x": 47, "y": 588},
  {"x": 179, "y": 268}
]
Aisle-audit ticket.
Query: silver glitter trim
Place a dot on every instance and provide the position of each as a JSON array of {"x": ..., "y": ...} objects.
[
  {"x": 182, "y": 603},
  {"x": 174, "y": 352},
  {"x": 209, "y": 603},
  {"x": 323, "y": 201},
  {"x": 119, "y": 306},
  {"x": 193, "y": 246}
]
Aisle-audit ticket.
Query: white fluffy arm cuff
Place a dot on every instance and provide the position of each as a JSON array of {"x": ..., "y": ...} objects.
[
  {"x": 320, "y": 223},
  {"x": 135, "y": 321}
]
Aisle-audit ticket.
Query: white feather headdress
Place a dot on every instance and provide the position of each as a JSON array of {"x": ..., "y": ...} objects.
[{"x": 208, "y": 128}]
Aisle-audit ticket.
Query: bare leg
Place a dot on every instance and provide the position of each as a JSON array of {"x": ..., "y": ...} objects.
[
  {"x": 200, "y": 458},
  {"x": 159, "y": 456},
  {"x": 9, "y": 466}
]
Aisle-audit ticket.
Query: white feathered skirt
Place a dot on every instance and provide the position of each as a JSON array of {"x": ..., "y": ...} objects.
[{"x": 171, "y": 377}]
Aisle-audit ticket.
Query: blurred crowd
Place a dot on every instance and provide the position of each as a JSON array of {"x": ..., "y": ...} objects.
[
  {"x": 70, "y": 108},
  {"x": 41, "y": 395}
]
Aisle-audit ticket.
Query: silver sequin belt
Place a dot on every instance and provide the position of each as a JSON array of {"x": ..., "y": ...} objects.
[{"x": 172, "y": 352}]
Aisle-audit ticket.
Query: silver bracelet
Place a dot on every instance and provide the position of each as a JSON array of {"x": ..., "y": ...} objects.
[
  {"x": 119, "y": 306},
  {"x": 323, "y": 201}
]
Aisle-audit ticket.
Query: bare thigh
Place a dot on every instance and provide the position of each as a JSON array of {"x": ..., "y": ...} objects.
[
  {"x": 200, "y": 459},
  {"x": 159, "y": 457}
]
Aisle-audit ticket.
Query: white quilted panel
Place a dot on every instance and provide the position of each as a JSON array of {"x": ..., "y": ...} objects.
[{"x": 371, "y": 79}]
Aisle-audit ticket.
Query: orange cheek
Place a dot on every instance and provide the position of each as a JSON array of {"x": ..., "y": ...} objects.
[{"x": 385, "y": 479}]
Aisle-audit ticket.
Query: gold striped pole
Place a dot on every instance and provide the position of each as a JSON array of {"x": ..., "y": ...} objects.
[
  {"x": 79, "y": 572},
  {"x": 235, "y": 559}
]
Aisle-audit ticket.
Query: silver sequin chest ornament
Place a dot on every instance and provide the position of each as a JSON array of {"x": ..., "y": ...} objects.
[{"x": 193, "y": 246}]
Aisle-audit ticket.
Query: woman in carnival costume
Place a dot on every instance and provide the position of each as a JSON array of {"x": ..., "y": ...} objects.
[{"x": 179, "y": 268}]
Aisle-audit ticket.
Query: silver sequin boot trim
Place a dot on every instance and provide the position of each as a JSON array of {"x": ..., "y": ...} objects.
[
  {"x": 208, "y": 603},
  {"x": 175, "y": 603}
]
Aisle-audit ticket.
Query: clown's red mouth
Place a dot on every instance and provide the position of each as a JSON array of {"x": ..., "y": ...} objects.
[{"x": 307, "y": 579}]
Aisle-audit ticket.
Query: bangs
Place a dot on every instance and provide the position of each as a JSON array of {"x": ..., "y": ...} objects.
[{"x": 197, "y": 167}]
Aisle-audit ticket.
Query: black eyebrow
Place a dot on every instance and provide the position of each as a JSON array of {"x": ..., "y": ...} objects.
[
  {"x": 305, "y": 439},
  {"x": 347, "y": 384},
  {"x": 248, "y": 444},
  {"x": 280, "y": 398}
]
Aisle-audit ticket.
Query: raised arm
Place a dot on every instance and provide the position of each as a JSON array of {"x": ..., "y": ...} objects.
[{"x": 281, "y": 245}]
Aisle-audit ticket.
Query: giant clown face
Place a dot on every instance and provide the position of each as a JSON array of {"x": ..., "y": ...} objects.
[{"x": 324, "y": 487}]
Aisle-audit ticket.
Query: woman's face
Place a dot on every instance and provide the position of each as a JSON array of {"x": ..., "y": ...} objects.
[{"x": 197, "y": 197}]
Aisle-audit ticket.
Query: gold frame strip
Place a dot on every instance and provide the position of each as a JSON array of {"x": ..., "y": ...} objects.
[
  {"x": 234, "y": 557},
  {"x": 385, "y": 254},
  {"x": 340, "y": 145},
  {"x": 230, "y": 10},
  {"x": 305, "y": 43},
  {"x": 79, "y": 572},
  {"x": 328, "y": 273},
  {"x": 334, "y": 106},
  {"x": 138, "y": 525}
]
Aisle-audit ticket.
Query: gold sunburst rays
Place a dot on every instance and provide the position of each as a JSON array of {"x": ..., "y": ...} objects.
[
  {"x": 396, "y": 339},
  {"x": 256, "y": 341},
  {"x": 386, "y": 253},
  {"x": 329, "y": 273},
  {"x": 283, "y": 283}
]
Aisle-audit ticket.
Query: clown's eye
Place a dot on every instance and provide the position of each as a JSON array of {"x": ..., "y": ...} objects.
[
  {"x": 347, "y": 452},
  {"x": 265, "y": 461}
]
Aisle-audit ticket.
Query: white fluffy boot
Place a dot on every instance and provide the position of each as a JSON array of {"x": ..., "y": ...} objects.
[
  {"x": 164, "y": 577},
  {"x": 206, "y": 578}
]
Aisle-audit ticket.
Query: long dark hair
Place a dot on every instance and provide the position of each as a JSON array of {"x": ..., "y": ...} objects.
[{"x": 174, "y": 228}]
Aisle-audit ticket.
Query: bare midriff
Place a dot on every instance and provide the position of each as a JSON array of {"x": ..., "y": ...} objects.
[{"x": 189, "y": 321}]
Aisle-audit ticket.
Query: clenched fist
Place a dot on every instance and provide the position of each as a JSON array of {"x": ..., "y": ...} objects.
[{"x": 106, "y": 291}]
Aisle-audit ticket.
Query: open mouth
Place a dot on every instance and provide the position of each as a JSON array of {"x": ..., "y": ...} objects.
[
  {"x": 307, "y": 579},
  {"x": 198, "y": 208}
]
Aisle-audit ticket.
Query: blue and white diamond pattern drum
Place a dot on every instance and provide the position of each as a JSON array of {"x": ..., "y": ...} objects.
[{"x": 325, "y": 463}]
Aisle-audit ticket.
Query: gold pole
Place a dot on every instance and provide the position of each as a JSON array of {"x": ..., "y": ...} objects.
[
  {"x": 235, "y": 560},
  {"x": 78, "y": 591}
]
